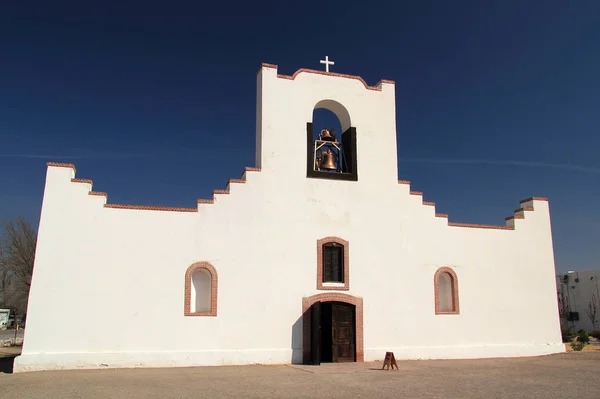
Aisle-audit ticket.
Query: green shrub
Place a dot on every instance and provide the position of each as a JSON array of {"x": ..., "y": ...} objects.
[
  {"x": 595, "y": 334},
  {"x": 583, "y": 337},
  {"x": 567, "y": 335},
  {"x": 577, "y": 345}
]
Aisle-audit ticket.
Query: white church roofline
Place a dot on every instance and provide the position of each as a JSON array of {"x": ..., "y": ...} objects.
[
  {"x": 519, "y": 214},
  {"x": 150, "y": 207},
  {"x": 241, "y": 180},
  {"x": 377, "y": 87},
  {"x": 527, "y": 205}
]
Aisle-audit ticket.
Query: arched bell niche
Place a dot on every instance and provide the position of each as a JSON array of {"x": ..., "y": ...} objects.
[
  {"x": 324, "y": 119},
  {"x": 331, "y": 143}
]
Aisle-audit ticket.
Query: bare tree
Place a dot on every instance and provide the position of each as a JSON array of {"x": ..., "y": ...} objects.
[
  {"x": 563, "y": 312},
  {"x": 5, "y": 283},
  {"x": 591, "y": 311},
  {"x": 17, "y": 252}
]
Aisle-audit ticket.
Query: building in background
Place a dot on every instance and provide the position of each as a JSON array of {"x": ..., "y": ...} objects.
[
  {"x": 4, "y": 319},
  {"x": 579, "y": 299}
]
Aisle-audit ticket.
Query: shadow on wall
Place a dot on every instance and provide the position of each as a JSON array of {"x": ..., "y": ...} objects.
[{"x": 297, "y": 341}]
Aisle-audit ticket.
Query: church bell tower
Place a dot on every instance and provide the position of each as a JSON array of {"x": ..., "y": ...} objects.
[{"x": 364, "y": 151}]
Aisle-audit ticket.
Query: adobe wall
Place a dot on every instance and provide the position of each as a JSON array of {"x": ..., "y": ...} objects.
[{"x": 120, "y": 270}]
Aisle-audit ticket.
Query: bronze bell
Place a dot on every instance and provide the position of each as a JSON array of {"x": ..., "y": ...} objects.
[
  {"x": 328, "y": 161},
  {"x": 327, "y": 135}
]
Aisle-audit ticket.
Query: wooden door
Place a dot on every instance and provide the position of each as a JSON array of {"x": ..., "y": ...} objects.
[
  {"x": 343, "y": 331},
  {"x": 315, "y": 333}
]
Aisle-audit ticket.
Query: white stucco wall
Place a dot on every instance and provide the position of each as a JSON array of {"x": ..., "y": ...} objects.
[
  {"x": 580, "y": 289},
  {"x": 120, "y": 272}
]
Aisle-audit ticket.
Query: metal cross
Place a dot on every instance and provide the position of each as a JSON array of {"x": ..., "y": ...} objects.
[{"x": 327, "y": 63}]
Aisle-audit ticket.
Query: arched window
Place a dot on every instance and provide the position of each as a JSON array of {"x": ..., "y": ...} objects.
[
  {"x": 331, "y": 143},
  {"x": 201, "y": 290},
  {"x": 446, "y": 291},
  {"x": 333, "y": 264}
]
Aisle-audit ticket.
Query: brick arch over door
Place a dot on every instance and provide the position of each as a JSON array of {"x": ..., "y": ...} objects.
[{"x": 307, "y": 302}]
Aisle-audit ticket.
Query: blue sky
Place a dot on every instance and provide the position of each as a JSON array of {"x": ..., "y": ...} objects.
[{"x": 497, "y": 101}]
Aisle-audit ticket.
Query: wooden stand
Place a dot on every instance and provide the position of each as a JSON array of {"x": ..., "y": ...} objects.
[{"x": 390, "y": 360}]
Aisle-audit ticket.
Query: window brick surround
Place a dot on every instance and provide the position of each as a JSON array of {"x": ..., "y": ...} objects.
[
  {"x": 436, "y": 284},
  {"x": 307, "y": 302},
  {"x": 346, "y": 247},
  {"x": 188, "y": 289}
]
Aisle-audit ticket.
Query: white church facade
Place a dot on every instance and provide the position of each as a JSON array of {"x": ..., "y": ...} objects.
[{"x": 316, "y": 254}]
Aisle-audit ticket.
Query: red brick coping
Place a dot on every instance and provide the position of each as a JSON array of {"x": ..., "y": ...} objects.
[
  {"x": 213, "y": 290},
  {"x": 152, "y": 207},
  {"x": 346, "y": 246},
  {"x": 436, "y": 285},
  {"x": 241, "y": 180},
  {"x": 307, "y": 302},
  {"x": 61, "y": 165},
  {"x": 533, "y": 199},
  {"x": 377, "y": 87},
  {"x": 480, "y": 226}
]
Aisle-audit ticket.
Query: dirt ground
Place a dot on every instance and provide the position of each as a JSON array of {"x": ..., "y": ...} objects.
[{"x": 571, "y": 374}]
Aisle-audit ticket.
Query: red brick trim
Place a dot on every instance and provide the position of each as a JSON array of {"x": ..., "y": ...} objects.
[
  {"x": 188, "y": 289},
  {"x": 82, "y": 181},
  {"x": 377, "y": 87},
  {"x": 346, "y": 246},
  {"x": 61, "y": 165},
  {"x": 480, "y": 226},
  {"x": 150, "y": 208},
  {"x": 454, "y": 224},
  {"x": 265, "y": 65},
  {"x": 533, "y": 199},
  {"x": 91, "y": 183},
  {"x": 523, "y": 209},
  {"x": 155, "y": 208},
  {"x": 226, "y": 191},
  {"x": 520, "y": 210},
  {"x": 205, "y": 201},
  {"x": 436, "y": 286},
  {"x": 122, "y": 206},
  {"x": 307, "y": 302}
]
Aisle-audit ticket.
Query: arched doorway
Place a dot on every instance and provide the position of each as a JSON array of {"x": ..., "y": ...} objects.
[{"x": 332, "y": 328}]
